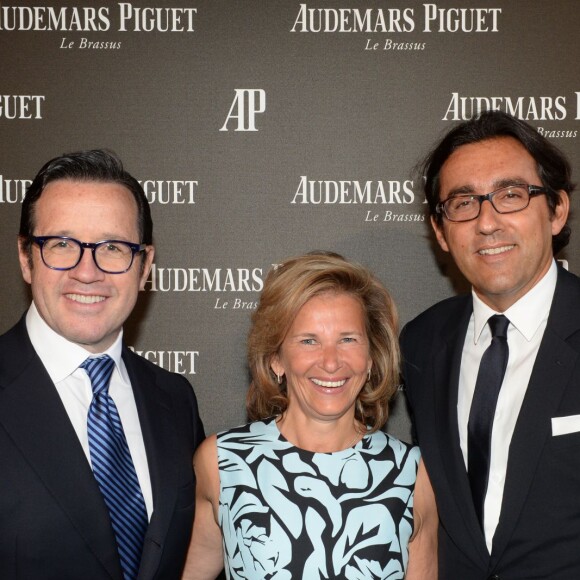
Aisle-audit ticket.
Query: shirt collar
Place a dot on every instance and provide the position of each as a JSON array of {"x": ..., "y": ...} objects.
[
  {"x": 59, "y": 356},
  {"x": 538, "y": 300}
]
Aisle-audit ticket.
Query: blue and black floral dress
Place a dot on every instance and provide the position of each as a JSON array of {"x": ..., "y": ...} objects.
[{"x": 287, "y": 513}]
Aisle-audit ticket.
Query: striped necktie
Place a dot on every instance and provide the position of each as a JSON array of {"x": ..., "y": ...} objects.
[{"x": 113, "y": 467}]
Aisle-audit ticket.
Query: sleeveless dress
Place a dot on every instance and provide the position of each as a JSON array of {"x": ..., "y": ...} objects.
[{"x": 286, "y": 513}]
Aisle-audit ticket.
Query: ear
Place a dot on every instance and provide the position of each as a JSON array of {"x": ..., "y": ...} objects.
[
  {"x": 25, "y": 260},
  {"x": 146, "y": 266},
  {"x": 561, "y": 212},
  {"x": 439, "y": 234},
  {"x": 276, "y": 365}
]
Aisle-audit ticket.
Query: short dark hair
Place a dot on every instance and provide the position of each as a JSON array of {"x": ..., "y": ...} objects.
[
  {"x": 286, "y": 290},
  {"x": 92, "y": 165},
  {"x": 553, "y": 167}
]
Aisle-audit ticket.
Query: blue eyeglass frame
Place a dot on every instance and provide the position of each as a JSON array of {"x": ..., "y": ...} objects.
[{"x": 41, "y": 240}]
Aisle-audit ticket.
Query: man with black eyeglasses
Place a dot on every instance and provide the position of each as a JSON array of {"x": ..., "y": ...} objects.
[
  {"x": 493, "y": 378},
  {"x": 96, "y": 443}
]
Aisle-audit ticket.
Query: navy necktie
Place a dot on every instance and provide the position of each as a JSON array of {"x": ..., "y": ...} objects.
[
  {"x": 489, "y": 379},
  {"x": 113, "y": 467}
]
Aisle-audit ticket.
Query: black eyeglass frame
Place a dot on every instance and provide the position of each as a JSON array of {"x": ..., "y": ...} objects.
[
  {"x": 41, "y": 240},
  {"x": 533, "y": 190}
]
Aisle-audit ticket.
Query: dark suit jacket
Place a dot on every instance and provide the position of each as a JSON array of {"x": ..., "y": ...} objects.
[
  {"x": 538, "y": 535},
  {"x": 54, "y": 523}
]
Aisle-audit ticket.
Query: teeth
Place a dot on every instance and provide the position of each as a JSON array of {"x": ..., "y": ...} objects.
[
  {"x": 85, "y": 299},
  {"x": 493, "y": 251},
  {"x": 332, "y": 384}
]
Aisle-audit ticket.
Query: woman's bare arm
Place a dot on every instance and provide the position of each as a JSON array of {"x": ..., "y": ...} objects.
[
  {"x": 205, "y": 555},
  {"x": 423, "y": 544}
]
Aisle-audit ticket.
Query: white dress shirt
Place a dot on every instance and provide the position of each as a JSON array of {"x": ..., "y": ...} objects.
[
  {"x": 62, "y": 359},
  {"x": 528, "y": 318}
]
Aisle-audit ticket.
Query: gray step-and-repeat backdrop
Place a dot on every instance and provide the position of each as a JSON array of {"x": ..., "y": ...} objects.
[{"x": 263, "y": 129}]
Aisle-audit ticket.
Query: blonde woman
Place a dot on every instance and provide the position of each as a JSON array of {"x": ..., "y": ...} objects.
[{"x": 312, "y": 488}]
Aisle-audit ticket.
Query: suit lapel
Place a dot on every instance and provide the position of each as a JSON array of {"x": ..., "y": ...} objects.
[
  {"x": 446, "y": 367},
  {"x": 155, "y": 417},
  {"x": 32, "y": 414},
  {"x": 550, "y": 377}
]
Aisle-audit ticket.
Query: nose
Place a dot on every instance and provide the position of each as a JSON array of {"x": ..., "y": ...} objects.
[
  {"x": 330, "y": 358},
  {"x": 489, "y": 220},
  {"x": 86, "y": 270}
]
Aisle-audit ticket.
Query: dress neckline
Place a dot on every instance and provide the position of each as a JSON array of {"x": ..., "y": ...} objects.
[{"x": 346, "y": 450}]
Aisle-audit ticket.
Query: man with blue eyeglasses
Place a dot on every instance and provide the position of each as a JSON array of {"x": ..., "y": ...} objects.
[
  {"x": 493, "y": 377},
  {"x": 96, "y": 443}
]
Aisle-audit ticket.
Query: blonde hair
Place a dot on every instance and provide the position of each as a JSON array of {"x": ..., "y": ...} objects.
[{"x": 287, "y": 288}]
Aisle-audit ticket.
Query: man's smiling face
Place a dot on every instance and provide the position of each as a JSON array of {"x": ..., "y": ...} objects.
[{"x": 502, "y": 255}]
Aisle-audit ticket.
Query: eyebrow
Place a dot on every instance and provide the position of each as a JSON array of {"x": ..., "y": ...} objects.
[{"x": 498, "y": 184}]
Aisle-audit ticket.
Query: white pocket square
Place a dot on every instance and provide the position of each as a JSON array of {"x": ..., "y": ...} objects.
[{"x": 565, "y": 425}]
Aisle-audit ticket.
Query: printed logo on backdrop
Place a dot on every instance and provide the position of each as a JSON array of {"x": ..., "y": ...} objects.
[
  {"x": 246, "y": 105},
  {"x": 426, "y": 19},
  {"x": 93, "y": 21},
  {"x": 13, "y": 190},
  {"x": 158, "y": 192},
  {"x": 21, "y": 107},
  {"x": 550, "y": 111},
  {"x": 170, "y": 192},
  {"x": 223, "y": 288},
  {"x": 182, "y": 362},
  {"x": 389, "y": 201}
]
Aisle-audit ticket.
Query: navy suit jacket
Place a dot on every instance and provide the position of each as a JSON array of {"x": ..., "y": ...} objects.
[
  {"x": 538, "y": 535},
  {"x": 54, "y": 523}
]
